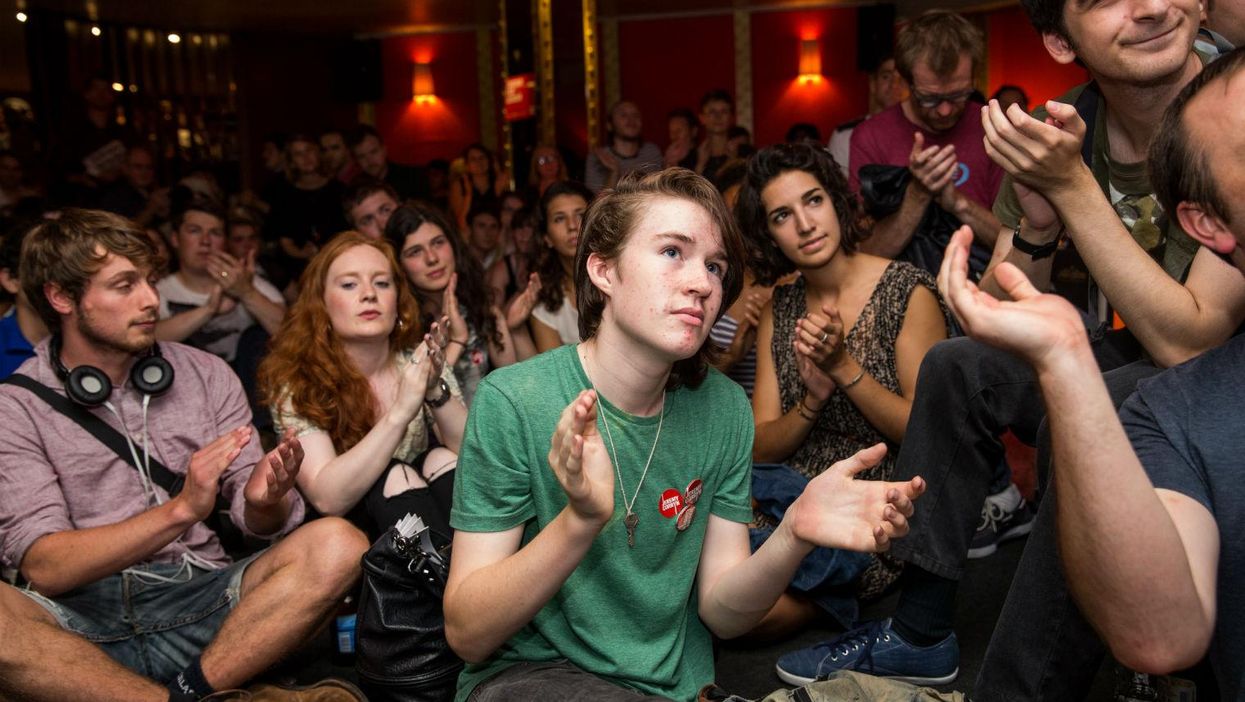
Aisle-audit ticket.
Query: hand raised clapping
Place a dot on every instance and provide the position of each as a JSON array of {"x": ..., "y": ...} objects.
[
  {"x": 837, "y": 510},
  {"x": 580, "y": 462}
]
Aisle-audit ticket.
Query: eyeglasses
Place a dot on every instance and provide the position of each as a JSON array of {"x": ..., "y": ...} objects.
[
  {"x": 543, "y": 160},
  {"x": 932, "y": 100}
]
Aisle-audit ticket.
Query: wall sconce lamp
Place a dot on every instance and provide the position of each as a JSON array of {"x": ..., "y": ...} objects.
[
  {"x": 810, "y": 61},
  {"x": 422, "y": 90}
]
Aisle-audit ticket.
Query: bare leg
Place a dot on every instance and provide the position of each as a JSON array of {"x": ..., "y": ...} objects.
[
  {"x": 286, "y": 595},
  {"x": 41, "y": 661},
  {"x": 789, "y": 615}
]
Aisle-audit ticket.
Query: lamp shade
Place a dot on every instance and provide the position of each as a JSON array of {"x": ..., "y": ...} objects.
[
  {"x": 422, "y": 87},
  {"x": 810, "y": 58}
]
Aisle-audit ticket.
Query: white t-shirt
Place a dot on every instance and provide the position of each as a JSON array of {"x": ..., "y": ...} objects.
[
  {"x": 565, "y": 321},
  {"x": 220, "y": 335}
]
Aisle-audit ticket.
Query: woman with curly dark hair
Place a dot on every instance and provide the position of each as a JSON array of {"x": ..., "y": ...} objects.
[
  {"x": 837, "y": 350},
  {"x": 555, "y": 320},
  {"x": 353, "y": 374},
  {"x": 446, "y": 280}
]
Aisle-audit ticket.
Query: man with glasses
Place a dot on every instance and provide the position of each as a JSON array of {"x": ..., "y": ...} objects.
[{"x": 935, "y": 135}]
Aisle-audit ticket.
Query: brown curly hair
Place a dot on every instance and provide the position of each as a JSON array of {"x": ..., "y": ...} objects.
[{"x": 306, "y": 364}]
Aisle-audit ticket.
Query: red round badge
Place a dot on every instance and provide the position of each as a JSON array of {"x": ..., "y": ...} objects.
[
  {"x": 671, "y": 503},
  {"x": 686, "y": 515},
  {"x": 694, "y": 489}
]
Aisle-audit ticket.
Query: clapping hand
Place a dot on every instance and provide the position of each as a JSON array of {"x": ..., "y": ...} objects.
[
  {"x": 453, "y": 323},
  {"x": 275, "y": 474},
  {"x": 837, "y": 510},
  {"x": 205, "y": 470},
  {"x": 933, "y": 168},
  {"x": 1046, "y": 155},
  {"x": 236, "y": 277},
  {"x": 1039, "y": 328},
  {"x": 580, "y": 462},
  {"x": 521, "y": 305},
  {"x": 819, "y": 337}
]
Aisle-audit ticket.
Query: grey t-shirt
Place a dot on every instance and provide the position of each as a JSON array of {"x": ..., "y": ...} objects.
[
  {"x": 647, "y": 158},
  {"x": 1184, "y": 427}
]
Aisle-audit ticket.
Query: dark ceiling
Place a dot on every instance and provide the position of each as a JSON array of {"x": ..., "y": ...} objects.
[{"x": 384, "y": 16}]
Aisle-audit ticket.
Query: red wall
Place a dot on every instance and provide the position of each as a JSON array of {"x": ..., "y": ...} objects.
[
  {"x": 779, "y": 98},
  {"x": 672, "y": 63},
  {"x": 1016, "y": 56},
  {"x": 669, "y": 63},
  {"x": 417, "y": 133}
]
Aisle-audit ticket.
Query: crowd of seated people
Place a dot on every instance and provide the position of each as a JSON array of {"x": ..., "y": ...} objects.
[{"x": 710, "y": 390}]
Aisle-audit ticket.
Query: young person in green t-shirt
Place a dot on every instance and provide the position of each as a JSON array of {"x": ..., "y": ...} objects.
[{"x": 602, "y": 494}]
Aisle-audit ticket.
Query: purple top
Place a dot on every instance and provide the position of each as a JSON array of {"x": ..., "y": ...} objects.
[
  {"x": 55, "y": 477},
  {"x": 886, "y": 138}
]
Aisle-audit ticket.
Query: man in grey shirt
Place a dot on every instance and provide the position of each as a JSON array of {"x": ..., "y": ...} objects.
[
  {"x": 625, "y": 150},
  {"x": 128, "y": 596}
]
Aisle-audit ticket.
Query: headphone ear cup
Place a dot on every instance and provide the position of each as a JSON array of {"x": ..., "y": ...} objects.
[
  {"x": 88, "y": 386},
  {"x": 152, "y": 376}
]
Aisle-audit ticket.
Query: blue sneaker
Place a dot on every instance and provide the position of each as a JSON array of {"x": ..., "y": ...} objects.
[{"x": 875, "y": 649}]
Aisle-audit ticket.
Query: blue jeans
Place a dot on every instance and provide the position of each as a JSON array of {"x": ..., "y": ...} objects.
[
  {"x": 153, "y": 628},
  {"x": 827, "y": 576}
]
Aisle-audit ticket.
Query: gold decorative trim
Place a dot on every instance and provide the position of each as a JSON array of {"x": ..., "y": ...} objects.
[
  {"x": 743, "y": 69},
  {"x": 611, "y": 64},
  {"x": 503, "y": 46},
  {"x": 544, "y": 70},
  {"x": 484, "y": 82},
  {"x": 592, "y": 94}
]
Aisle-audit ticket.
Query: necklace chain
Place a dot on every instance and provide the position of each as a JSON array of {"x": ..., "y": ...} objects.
[{"x": 614, "y": 454}]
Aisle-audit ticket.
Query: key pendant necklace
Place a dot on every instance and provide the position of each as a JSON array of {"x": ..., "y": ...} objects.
[{"x": 632, "y": 519}]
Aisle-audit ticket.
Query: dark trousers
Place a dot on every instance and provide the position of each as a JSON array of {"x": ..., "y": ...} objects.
[
  {"x": 1042, "y": 647},
  {"x": 968, "y": 394}
]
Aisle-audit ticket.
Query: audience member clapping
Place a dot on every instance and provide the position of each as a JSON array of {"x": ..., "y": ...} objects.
[
  {"x": 447, "y": 281},
  {"x": 352, "y": 374}
]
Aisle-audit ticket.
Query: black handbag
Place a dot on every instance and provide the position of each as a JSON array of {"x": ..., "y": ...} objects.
[{"x": 402, "y": 655}]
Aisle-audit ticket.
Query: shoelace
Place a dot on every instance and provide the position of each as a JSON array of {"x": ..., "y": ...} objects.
[
  {"x": 866, "y": 636},
  {"x": 992, "y": 514}
]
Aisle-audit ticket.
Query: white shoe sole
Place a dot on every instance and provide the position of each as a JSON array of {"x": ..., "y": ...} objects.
[{"x": 799, "y": 681}]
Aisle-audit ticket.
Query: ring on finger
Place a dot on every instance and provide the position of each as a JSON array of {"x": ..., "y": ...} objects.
[{"x": 824, "y": 335}]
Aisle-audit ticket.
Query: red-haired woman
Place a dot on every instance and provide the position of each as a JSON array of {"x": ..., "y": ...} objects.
[{"x": 351, "y": 371}]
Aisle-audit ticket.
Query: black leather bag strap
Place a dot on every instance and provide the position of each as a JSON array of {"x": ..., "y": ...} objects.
[{"x": 96, "y": 427}]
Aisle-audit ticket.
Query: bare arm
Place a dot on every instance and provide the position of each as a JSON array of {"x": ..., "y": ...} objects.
[
  {"x": 268, "y": 313},
  {"x": 57, "y": 563},
  {"x": 495, "y": 587},
  {"x": 736, "y": 590},
  {"x": 544, "y": 336},
  {"x": 933, "y": 173},
  {"x": 779, "y": 434},
  {"x": 1146, "y": 581},
  {"x": 182, "y": 325},
  {"x": 981, "y": 220},
  {"x": 1174, "y": 322},
  {"x": 333, "y": 482},
  {"x": 887, "y": 411},
  {"x": 892, "y": 234}
]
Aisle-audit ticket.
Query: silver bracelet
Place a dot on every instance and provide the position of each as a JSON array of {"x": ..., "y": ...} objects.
[{"x": 850, "y": 384}]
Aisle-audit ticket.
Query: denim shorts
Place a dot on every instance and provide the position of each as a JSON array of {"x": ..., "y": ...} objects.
[{"x": 152, "y": 627}]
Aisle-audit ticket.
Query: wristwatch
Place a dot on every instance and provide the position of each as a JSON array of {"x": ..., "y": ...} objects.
[
  {"x": 1035, "y": 251},
  {"x": 441, "y": 399}
]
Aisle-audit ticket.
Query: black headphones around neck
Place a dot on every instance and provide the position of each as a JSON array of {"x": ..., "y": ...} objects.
[{"x": 91, "y": 387}]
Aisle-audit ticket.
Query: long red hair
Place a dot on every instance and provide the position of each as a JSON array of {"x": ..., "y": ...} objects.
[{"x": 306, "y": 364}]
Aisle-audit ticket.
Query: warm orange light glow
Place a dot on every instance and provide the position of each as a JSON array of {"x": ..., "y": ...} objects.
[
  {"x": 422, "y": 90},
  {"x": 810, "y": 61}
]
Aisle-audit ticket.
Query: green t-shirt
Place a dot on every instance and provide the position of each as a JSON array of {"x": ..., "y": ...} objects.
[
  {"x": 1127, "y": 188},
  {"x": 628, "y": 615}
]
